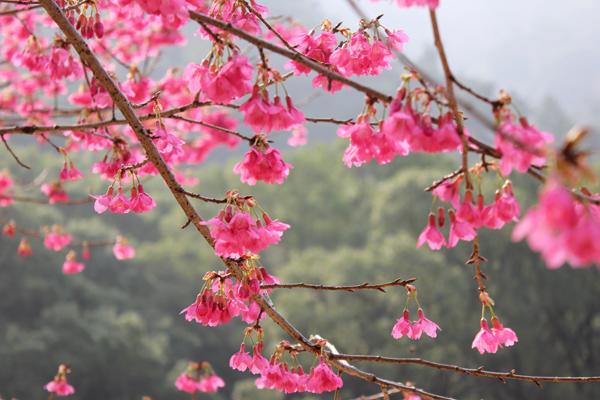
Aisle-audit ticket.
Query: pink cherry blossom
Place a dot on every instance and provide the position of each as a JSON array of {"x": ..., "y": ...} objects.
[
  {"x": 55, "y": 193},
  {"x": 140, "y": 201},
  {"x": 24, "y": 249},
  {"x": 561, "y": 228},
  {"x": 71, "y": 266},
  {"x": 323, "y": 379},
  {"x": 522, "y": 146},
  {"x": 241, "y": 360},
  {"x": 186, "y": 383},
  {"x": 221, "y": 84},
  {"x": 56, "y": 240},
  {"x": 119, "y": 204},
  {"x": 404, "y": 327},
  {"x": 262, "y": 163},
  {"x": 210, "y": 384},
  {"x": 122, "y": 250},
  {"x": 425, "y": 325},
  {"x": 60, "y": 387},
  {"x": 6, "y": 185},
  {"x": 485, "y": 341},
  {"x": 102, "y": 202},
  {"x": 422, "y": 3},
  {"x": 237, "y": 233},
  {"x": 504, "y": 336},
  {"x": 69, "y": 172},
  {"x": 9, "y": 229},
  {"x": 431, "y": 235},
  {"x": 459, "y": 230}
]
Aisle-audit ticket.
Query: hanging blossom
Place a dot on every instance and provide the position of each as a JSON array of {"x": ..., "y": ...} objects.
[
  {"x": 71, "y": 266},
  {"x": 59, "y": 386},
  {"x": 222, "y": 299},
  {"x": 56, "y": 240},
  {"x": 237, "y": 233},
  {"x": 279, "y": 376},
  {"x": 468, "y": 216},
  {"x": 262, "y": 115},
  {"x": 414, "y": 329},
  {"x": 6, "y": 185},
  {"x": 138, "y": 202},
  {"x": 55, "y": 192},
  {"x": 122, "y": 250},
  {"x": 490, "y": 340},
  {"x": 522, "y": 145},
  {"x": 562, "y": 228},
  {"x": 9, "y": 229},
  {"x": 262, "y": 163},
  {"x": 24, "y": 249},
  {"x": 220, "y": 82},
  {"x": 199, "y": 377}
]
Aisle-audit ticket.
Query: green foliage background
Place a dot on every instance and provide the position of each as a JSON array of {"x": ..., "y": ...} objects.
[{"x": 117, "y": 324}]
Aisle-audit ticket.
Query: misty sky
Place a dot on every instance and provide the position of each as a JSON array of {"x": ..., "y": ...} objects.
[{"x": 534, "y": 48}]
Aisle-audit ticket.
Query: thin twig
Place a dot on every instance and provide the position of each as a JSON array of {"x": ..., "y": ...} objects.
[
  {"x": 12, "y": 153},
  {"x": 352, "y": 288}
]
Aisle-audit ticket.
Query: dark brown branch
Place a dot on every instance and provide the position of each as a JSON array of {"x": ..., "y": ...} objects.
[
  {"x": 352, "y": 288},
  {"x": 480, "y": 372},
  {"x": 458, "y": 117}
]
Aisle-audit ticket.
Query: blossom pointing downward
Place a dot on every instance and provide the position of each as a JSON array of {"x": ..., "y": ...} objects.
[{"x": 431, "y": 235}]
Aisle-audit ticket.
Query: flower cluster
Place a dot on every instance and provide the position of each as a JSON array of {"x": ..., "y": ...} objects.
[
  {"x": 264, "y": 115},
  {"x": 468, "y": 217},
  {"x": 199, "y": 377},
  {"x": 138, "y": 202},
  {"x": 56, "y": 240},
  {"x": 562, "y": 228},
  {"x": 55, "y": 192},
  {"x": 522, "y": 145},
  {"x": 404, "y": 131},
  {"x": 262, "y": 163},
  {"x": 220, "y": 83},
  {"x": 222, "y": 298},
  {"x": 237, "y": 233}
]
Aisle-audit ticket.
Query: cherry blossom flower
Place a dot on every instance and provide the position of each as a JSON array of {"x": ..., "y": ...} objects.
[
  {"x": 122, "y": 250},
  {"x": 237, "y": 233},
  {"x": 6, "y": 185},
  {"x": 221, "y": 84},
  {"x": 262, "y": 163},
  {"x": 60, "y": 387},
  {"x": 425, "y": 325},
  {"x": 485, "y": 341},
  {"x": 55, "y": 193},
  {"x": 24, "y": 249},
  {"x": 504, "y": 336},
  {"x": 323, "y": 379},
  {"x": 186, "y": 383},
  {"x": 56, "y": 240},
  {"x": 9, "y": 229},
  {"x": 522, "y": 146},
  {"x": 241, "y": 360},
  {"x": 71, "y": 266},
  {"x": 431, "y": 235},
  {"x": 69, "y": 172},
  {"x": 210, "y": 384},
  {"x": 459, "y": 230},
  {"x": 404, "y": 327},
  {"x": 140, "y": 201}
]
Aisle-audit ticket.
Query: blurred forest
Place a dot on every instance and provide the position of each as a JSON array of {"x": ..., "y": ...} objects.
[{"x": 117, "y": 324}]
